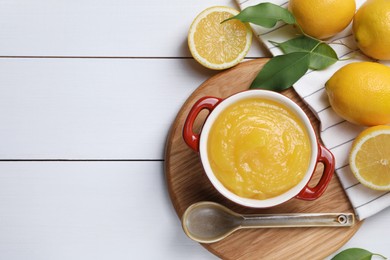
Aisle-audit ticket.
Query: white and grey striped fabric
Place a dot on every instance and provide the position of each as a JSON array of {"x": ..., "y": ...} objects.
[{"x": 336, "y": 134}]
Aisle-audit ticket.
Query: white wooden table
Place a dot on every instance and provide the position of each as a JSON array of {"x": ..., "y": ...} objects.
[{"x": 88, "y": 91}]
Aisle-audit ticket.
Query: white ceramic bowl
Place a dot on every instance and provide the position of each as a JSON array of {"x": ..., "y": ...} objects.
[{"x": 198, "y": 142}]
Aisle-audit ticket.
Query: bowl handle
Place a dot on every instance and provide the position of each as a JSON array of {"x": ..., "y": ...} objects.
[
  {"x": 191, "y": 138},
  {"x": 312, "y": 193}
]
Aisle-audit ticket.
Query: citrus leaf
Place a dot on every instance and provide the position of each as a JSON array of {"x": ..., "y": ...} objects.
[
  {"x": 282, "y": 71},
  {"x": 264, "y": 14},
  {"x": 301, "y": 43},
  {"x": 355, "y": 254},
  {"x": 321, "y": 54},
  {"x": 322, "y": 57}
]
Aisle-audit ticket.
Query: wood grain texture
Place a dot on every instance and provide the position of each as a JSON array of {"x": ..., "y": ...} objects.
[
  {"x": 187, "y": 184},
  {"x": 89, "y": 211},
  {"x": 103, "y": 28},
  {"x": 92, "y": 108}
]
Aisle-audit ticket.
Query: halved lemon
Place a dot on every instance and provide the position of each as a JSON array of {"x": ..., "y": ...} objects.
[
  {"x": 370, "y": 157},
  {"x": 218, "y": 45}
]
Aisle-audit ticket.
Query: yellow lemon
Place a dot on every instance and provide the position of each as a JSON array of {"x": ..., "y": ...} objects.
[
  {"x": 218, "y": 45},
  {"x": 369, "y": 158},
  {"x": 371, "y": 28},
  {"x": 323, "y": 18},
  {"x": 360, "y": 93}
]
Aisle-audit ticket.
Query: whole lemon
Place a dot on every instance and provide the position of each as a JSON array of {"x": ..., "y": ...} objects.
[
  {"x": 360, "y": 93},
  {"x": 371, "y": 28},
  {"x": 322, "y": 18}
]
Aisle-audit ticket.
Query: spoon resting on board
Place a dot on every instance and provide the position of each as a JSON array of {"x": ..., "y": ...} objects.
[{"x": 209, "y": 222}]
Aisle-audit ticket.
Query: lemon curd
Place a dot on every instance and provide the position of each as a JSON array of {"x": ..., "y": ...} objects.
[{"x": 258, "y": 148}]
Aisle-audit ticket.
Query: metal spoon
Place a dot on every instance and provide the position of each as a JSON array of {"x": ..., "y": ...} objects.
[{"x": 208, "y": 222}]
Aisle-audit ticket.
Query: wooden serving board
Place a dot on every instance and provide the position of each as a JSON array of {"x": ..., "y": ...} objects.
[{"x": 187, "y": 184}]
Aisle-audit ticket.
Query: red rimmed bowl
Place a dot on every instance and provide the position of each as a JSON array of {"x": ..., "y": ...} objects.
[{"x": 199, "y": 143}]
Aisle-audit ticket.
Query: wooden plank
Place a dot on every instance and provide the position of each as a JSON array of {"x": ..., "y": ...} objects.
[
  {"x": 89, "y": 210},
  {"x": 122, "y": 28},
  {"x": 107, "y": 210},
  {"x": 92, "y": 108}
]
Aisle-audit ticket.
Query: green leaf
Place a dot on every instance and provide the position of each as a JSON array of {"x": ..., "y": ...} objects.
[
  {"x": 264, "y": 14},
  {"x": 355, "y": 254},
  {"x": 321, "y": 54},
  {"x": 282, "y": 71},
  {"x": 322, "y": 57}
]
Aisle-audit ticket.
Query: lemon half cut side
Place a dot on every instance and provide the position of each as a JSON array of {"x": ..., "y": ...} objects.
[
  {"x": 218, "y": 45},
  {"x": 370, "y": 157}
]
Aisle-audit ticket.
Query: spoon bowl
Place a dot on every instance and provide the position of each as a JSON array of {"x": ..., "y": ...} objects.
[{"x": 209, "y": 222}]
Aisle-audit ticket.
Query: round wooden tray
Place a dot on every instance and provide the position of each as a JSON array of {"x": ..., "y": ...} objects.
[{"x": 187, "y": 184}]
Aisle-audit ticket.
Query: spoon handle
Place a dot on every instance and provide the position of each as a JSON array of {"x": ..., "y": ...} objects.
[{"x": 298, "y": 220}]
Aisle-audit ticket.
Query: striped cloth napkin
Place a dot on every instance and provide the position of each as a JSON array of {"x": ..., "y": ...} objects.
[{"x": 336, "y": 133}]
